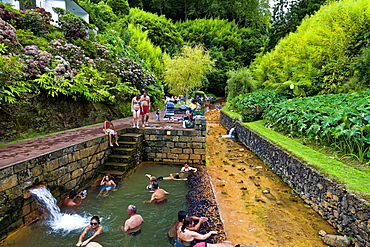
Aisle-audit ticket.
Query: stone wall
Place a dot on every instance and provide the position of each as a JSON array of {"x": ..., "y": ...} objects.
[
  {"x": 342, "y": 209},
  {"x": 176, "y": 146},
  {"x": 61, "y": 171},
  {"x": 74, "y": 166}
]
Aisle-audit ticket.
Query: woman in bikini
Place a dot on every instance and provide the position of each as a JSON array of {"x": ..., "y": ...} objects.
[
  {"x": 136, "y": 109},
  {"x": 93, "y": 230},
  {"x": 186, "y": 237}
]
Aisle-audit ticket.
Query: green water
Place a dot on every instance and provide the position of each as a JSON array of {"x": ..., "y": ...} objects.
[{"x": 112, "y": 212}]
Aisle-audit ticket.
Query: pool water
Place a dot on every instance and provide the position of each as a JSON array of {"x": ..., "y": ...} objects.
[{"x": 112, "y": 212}]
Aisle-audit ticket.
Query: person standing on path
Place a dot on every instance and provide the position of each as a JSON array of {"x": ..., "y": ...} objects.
[
  {"x": 145, "y": 108},
  {"x": 136, "y": 110}
]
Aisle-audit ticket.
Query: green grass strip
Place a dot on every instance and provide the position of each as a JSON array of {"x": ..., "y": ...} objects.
[
  {"x": 232, "y": 114},
  {"x": 352, "y": 178}
]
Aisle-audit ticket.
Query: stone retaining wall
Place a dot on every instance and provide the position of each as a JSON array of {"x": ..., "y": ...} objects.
[
  {"x": 74, "y": 166},
  {"x": 61, "y": 170},
  {"x": 342, "y": 209},
  {"x": 177, "y": 146}
]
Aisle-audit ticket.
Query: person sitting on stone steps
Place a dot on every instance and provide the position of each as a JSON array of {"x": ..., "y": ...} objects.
[{"x": 110, "y": 130}]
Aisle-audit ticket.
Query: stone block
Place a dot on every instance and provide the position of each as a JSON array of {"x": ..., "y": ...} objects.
[
  {"x": 160, "y": 155},
  {"x": 170, "y": 144},
  {"x": 194, "y": 156},
  {"x": 180, "y": 145},
  {"x": 77, "y": 173},
  {"x": 52, "y": 165},
  {"x": 177, "y": 150},
  {"x": 184, "y": 139},
  {"x": 20, "y": 167},
  {"x": 151, "y": 155},
  {"x": 17, "y": 191},
  {"x": 73, "y": 166},
  {"x": 172, "y": 156},
  {"x": 8, "y": 182},
  {"x": 6, "y": 171},
  {"x": 187, "y": 151},
  {"x": 70, "y": 185},
  {"x": 37, "y": 171},
  {"x": 199, "y": 151},
  {"x": 183, "y": 157},
  {"x": 84, "y": 153},
  {"x": 56, "y": 174},
  {"x": 199, "y": 139},
  {"x": 197, "y": 145},
  {"x": 64, "y": 179},
  {"x": 76, "y": 156},
  {"x": 26, "y": 209}
]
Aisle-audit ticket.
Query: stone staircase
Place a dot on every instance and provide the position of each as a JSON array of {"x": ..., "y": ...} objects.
[{"x": 126, "y": 156}]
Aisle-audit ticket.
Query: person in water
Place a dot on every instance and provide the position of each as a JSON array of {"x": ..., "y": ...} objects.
[
  {"x": 93, "y": 230},
  {"x": 187, "y": 168},
  {"x": 72, "y": 201},
  {"x": 110, "y": 130},
  {"x": 181, "y": 215},
  {"x": 159, "y": 195},
  {"x": 155, "y": 179},
  {"x": 108, "y": 184},
  {"x": 132, "y": 225},
  {"x": 185, "y": 236}
]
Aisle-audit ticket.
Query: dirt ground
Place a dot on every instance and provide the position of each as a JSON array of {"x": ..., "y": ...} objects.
[{"x": 256, "y": 206}]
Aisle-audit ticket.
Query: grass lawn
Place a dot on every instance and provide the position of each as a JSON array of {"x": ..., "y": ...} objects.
[{"x": 353, "y": 178}]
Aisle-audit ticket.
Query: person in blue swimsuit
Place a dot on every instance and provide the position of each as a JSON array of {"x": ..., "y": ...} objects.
[
  {"x": 136, "y": 109},
  {"x": 108, "y": 184},
  {"x": 93, "y": 230}
]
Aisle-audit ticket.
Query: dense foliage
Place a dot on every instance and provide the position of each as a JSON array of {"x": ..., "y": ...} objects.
[
  {"x": 231, "y": 46},
  {"x": 318, "y": 57},
  {"x": 252, "y": 105},
  {"x": 341, "y": 121},
  {"x": 185, "y": 72}
]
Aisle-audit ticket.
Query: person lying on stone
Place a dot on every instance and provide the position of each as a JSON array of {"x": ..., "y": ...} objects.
[
  {"x": 181, "y": 215},
  {"x": 159, "y": 195},
  {"x": 72, "y": 201}
]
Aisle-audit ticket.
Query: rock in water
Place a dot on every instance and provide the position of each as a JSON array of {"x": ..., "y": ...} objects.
[{"x": 335, "y": 240}]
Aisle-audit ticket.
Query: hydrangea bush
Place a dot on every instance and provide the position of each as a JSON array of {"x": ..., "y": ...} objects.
[
  {"x": 8, "y": 35},
  {"x": 35, "y": 61}
]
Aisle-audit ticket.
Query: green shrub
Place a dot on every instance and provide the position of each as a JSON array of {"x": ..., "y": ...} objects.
[{"x": 26, "y": 38}]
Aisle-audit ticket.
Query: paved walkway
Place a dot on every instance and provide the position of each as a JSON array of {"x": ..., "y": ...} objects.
[{"x": 12, "y": 153}]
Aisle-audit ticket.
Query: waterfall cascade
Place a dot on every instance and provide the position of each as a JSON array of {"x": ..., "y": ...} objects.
[{"x": 55, "y": 219}]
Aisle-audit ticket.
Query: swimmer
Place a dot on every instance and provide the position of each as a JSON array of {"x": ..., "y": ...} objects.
[
  {"x": 132, "y": 225},
  {"x": 93, "y": 230},
  {"x": 181, "y": 215},
  {"x": 94, "y": 244},
  {"x": 186, "y": 236},
  {"x": 70, "y": 201},
  {"x": 187, "y": 168},
  {"x": 159, "y": 195},
  {"x": 108, "y": 184}
]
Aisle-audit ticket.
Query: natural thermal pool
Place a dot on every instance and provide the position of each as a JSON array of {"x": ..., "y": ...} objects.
[{"x": 112, "y": 212}]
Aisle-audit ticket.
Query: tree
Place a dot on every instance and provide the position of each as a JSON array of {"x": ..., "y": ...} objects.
[
  {"x": 119, "y": 7},
  {"x": 186, "y": 71}
]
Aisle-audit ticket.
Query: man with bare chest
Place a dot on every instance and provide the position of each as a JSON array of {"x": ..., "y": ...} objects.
[{"x": 145, "y": 108}]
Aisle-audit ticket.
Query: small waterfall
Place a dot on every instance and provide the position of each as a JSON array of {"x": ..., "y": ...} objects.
[{"x": 55, "y": 219}]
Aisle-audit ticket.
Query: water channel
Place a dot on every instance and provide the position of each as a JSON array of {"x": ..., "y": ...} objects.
[
  {"x": 112, "y": 212},
  {"x": 257, "y": 208}
]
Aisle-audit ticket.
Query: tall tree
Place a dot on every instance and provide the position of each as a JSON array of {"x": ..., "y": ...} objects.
[
  {"x": 185, "y": 72},
  {"x": 288, "y": 15}
]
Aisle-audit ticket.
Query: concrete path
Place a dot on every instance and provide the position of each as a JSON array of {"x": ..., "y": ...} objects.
[{"x": 12, "y": 153}]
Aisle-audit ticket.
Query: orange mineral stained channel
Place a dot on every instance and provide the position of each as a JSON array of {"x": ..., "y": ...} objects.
[{"x": 256, "y": 206}]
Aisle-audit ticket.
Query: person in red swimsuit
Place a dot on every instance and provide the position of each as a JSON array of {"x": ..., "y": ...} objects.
[{"x": 145, "y": 108}]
